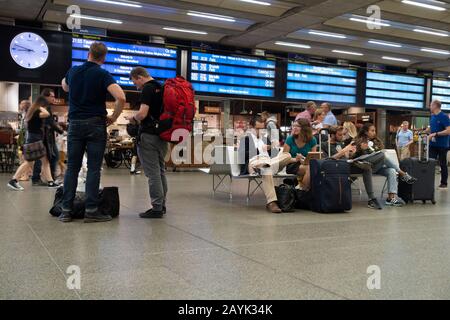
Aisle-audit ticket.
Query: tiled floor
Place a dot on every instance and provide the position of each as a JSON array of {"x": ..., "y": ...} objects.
[{"x": 210, "y": 248}]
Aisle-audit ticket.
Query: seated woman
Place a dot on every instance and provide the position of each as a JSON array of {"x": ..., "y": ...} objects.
[
  {"x": 350, "y": 132},
  {"x": 367, "y": 142},
  {"x": 339, "y": 151},
  {"x": 253, "y": 156},
  {"x": 317, "y": 123},
  {"x": 298, "y": 145}
]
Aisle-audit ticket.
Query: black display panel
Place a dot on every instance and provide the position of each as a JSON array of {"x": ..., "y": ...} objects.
[
  {"x": 441, "y": 91},
  {"x": 221, "y": 74},
  {"x": 34, "y": 56},
  {"x": 161, "y": 62},
  {"x": 394, "y": 90},
  {"x": 321, "y": 83}
]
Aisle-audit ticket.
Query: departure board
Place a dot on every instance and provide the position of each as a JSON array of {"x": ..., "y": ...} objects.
[
  {"x": 161, "y": 62},
  {"x": 321, "y": 83},
  {"x": 441, "y": 91},
  {"x": 232, "y": 75},
  {"x": 392, "y": 90}
]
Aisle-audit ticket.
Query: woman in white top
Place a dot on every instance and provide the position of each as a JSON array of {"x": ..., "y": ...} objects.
[{"x": 317, "y": 123}]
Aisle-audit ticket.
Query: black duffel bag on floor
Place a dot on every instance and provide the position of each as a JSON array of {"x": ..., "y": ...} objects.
[
  {"x": 286, "y": 197},
  {"x": 109, "y": 203},
  {"x": 303, "y": 199}
]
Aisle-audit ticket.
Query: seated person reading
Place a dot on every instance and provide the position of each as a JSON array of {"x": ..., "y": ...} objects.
[
  {"x": 368, "y": 143},
  {"x": 254, "y": 159}
]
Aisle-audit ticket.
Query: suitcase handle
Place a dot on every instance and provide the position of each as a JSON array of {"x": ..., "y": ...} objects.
[
  {"x": 421, "y": 135},
  {"x": 327, "y": 132}
]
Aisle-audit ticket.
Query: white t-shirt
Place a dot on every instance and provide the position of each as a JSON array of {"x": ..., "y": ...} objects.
[{"x": 259, "y": 144}]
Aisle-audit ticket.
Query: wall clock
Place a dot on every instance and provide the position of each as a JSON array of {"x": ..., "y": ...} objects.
[{"x": 29, "y": 50}]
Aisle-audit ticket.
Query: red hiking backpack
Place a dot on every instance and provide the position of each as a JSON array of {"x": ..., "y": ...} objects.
[{"x": 179, "y": 109}]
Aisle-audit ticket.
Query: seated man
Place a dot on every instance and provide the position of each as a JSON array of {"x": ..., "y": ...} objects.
[
  {"x": 337, "y": 150},
  {"x": 253, "y": 156}
]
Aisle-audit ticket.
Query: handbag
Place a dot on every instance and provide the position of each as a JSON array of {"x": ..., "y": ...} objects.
[
  {"x": 34, "y": 151},
  {"x": 286, "y": 197}
]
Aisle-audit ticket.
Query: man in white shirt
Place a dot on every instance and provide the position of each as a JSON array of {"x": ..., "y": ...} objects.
[
  {"x": 330, "y": 120},
  {"x": 254, "y": 159},
  {"x": 403, "y": 140}
]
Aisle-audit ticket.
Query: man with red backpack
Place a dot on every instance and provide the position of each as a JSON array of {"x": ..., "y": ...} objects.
[{"x": 164, "y": 113}]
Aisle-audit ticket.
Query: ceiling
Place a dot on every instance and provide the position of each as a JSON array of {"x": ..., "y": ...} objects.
[{"x": 261, "y": 26}]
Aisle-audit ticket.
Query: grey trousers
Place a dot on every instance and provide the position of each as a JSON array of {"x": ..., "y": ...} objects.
[
  {"x": 152, "y": 151},
  {"x": 367, "y": 179}
]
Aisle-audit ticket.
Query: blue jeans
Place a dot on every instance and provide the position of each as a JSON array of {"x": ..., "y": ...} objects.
[
  {"x": 389, "y": 170},
  {"x": 84, "y": 136}
]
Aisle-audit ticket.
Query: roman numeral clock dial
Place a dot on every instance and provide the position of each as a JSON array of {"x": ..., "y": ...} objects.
[{"x": 29, "y": 50}]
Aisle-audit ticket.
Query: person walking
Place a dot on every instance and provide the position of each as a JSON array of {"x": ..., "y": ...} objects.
[
  {"x": 403, "y": 140},
  {"x": 151, "y": 148},
  {"x": 50, "y": 128},
  {"x": 439, "y": 139},
  {"x": 88, "y": 86},
  {"x": 34, "y": 119}
]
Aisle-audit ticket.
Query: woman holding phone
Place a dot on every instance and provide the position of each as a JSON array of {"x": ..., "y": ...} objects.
[{"x": 298, "y": 145}]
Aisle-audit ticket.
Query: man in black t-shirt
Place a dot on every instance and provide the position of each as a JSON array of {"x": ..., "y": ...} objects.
[
  {"x": 151, "y": 148},
  {"x": 88, "y": 86}
]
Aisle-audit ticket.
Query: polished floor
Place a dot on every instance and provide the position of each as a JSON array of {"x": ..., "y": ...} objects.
[{"x": 210, "y": 248}]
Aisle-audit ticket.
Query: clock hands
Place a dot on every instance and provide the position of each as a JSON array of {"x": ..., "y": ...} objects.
[{"x": 24, "y": 49}]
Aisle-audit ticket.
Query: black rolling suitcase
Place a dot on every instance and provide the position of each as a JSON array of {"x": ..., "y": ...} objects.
[
  {"x": 424, "y": 171},
  {"x": 330, "y": 186}
]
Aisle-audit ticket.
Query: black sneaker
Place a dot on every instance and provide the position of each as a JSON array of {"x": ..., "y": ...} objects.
[
  {"x": 408, "y": 179},
  {"x": 96, "y": 217},
  {"x": 14, "y": 184},
  {"x": 374, "y": 204},
  {"x": 164, "y": 210},
  {"x": 52, "y": 185},
  {"x": 38, "y": 183},
  {"x": 443, "y": 186},
  {"x": 136, "y": 172},
  {"x": 65, "y": 217},
  {"x": 150, "y": 214}
]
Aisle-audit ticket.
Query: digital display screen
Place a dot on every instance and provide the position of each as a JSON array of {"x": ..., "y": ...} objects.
[
  {"x": 319, "y": 83},
  {"x": 441, "y": 91},
  {"x": 232, "y": 75},
  {"x": 392, "y": 90},
  {"x": 123, "y": 57}
]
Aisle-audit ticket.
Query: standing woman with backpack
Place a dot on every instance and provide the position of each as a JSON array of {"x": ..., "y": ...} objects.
[{"x": 34, "y": 118}]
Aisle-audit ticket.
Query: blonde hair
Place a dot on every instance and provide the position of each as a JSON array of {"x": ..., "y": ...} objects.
[
  {"x": 351, "y": 129},
  {"x": 318, "y": 113}
]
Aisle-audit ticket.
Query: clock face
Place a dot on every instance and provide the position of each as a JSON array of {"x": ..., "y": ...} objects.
[{"x": 29, "y": 50}]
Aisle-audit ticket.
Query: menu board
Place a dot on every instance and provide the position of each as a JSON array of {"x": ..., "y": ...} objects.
[
  {"x": 161, "y": 62},
  {"x": 320, "y": 83},
  {"x": 232, "y": 75},
  {"x": 441, "y": 91},
  {"x": 393, "y": 90}
]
